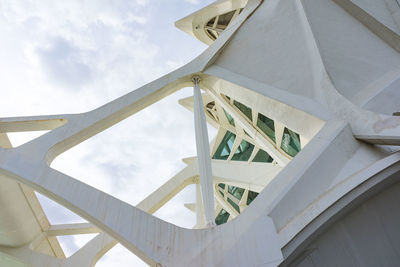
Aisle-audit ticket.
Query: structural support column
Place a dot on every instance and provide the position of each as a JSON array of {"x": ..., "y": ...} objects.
[
  {"x": 200, "y": 222},
  {"x": 203, "y": 154}
]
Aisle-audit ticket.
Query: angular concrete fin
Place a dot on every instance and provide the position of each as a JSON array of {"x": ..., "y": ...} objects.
[
  {"x": 72, "y": 243},
  {"x": 20, "y": 138},
  {"x": 274, "y": 46},
  {"x": 348, "y": 48},
  {"x": 380, "y": 10},
  {"x": 21, "y": 130}
]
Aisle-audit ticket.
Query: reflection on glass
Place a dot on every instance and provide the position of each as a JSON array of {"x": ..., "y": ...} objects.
[
  {"x": 290, "y": 142},
  {"x": 262, "y": 156},
  {"x": 266, "y": 125},
  {"x": 243, "y": 152},
  {"x": 225, "y": 147},
  {"x": 244, "y": 109}
]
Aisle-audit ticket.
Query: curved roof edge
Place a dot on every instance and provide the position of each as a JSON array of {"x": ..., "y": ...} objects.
[{"x": 194, "y": 23}]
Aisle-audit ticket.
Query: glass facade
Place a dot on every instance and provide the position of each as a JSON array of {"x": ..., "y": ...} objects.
[
  {"x": 244, "y": 109},
  {"x": 290, "y": 142},
  {"x": 230, "y": 119},
  {"x": 222, "y": 217},
  {"x": 237, "y": 193},
  {"x": 290, "y": 139},
  {"x": 225, "y": 147},
  {"x": 266, "y": 125},
  {"x": 290, "y": 145},
  {"x": 262, "y": 156},
  {"x": 252, "y": 195},
  {"x": 243, "y": 152},
  {"x": 233, "y": 204}
]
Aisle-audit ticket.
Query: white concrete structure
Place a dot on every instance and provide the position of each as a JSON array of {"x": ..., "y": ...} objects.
[{"x": 304, "y": 95}]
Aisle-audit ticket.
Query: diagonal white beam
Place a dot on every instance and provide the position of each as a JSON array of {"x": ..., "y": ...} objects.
[
  {"x": 190, "y": 206},
  {"x": 169, "y": 189},
  {"x": 279, "y": 129},
  {"x": 72, "y": 229},
  {"x": 203, "y": 154},
  {"x": 373, "y": 24},
  {"x": 243, "y": 200},
  {"x": 235, "y": 146},
  {"x": 86, "y": 256},
  {"x": 200, "y": 220}
]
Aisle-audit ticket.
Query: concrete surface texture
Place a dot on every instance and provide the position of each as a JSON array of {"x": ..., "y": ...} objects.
[{"x": 304, "y": 170}]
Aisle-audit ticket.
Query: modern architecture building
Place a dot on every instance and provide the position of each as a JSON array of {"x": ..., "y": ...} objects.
[{"x": 304, "y": 169}]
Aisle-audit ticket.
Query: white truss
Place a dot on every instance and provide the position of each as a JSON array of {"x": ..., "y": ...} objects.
[{"x": 291, "y": 82}]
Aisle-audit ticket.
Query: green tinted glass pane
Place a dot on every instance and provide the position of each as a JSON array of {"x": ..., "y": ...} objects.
[
  {"x": 262, "y": 156},
  {"x": 290, "y": 142},
  {"x": 234, "y": 205},
  {"x": 236, "y": 191},
  {"x": 252, "y": 195},
  {"x": 244, "y": 109},
  {"x": 222, "y": 217},
  {"x": 224, "y": 148},
  {"x": 222, "y": 194},
  {"x": 266, "y": 125},
  {"x": 230, "y": 119},
  {"x": 243, "y": 152},
  {"x": 222, "y": 186}
]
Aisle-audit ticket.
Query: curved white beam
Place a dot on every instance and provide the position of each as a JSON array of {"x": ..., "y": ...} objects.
[
  {"x": 88, "y": 255},
  {"x": 125, "y": 223}
]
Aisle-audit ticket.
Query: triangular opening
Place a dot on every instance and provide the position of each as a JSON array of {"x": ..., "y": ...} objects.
[
  {"x": 56, "y": 213},
  {"x": 72, "y": 243},
  {"x": 174, "y": 211},
  {"x": 120, "y": 256},
  {"x": 20, "y": 138}
]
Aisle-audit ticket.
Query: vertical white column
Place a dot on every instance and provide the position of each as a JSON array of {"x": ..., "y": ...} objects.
[
  {"x": 203, "y": 154},
  {"x": 199, "y": 208}
]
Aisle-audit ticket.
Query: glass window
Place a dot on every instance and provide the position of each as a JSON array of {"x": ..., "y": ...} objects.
[
  {"x": 262, "y": 156},
  {"x": 290, "y": 142},
  {"x": 230, "y": 119},
  {"x": 234, "y": 205},
  {"x": 236, "y": 191},
  {"x": 243, "y": 152},
  {"x": 244, "y": 109},
  {"x": 251, "y": 196},
  {"x": 225, "y": 147},
  {"x": 266, "y": 125},
  {"x": 222, "y": 217}
]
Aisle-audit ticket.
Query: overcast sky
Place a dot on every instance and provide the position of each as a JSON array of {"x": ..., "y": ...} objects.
[{"x": 72, "y": 56}]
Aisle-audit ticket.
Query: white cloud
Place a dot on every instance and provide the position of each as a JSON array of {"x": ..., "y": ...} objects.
[
  {"x": 73, "y": 56},
  {"x": 193, "y": 2}
]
